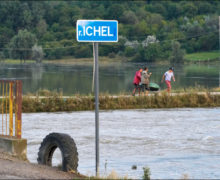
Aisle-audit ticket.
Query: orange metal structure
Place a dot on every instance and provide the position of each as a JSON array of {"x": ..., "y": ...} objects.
[{"x": 11, "y": 108}]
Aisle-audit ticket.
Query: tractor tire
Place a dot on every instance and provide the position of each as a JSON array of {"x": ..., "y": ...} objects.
[{"x": 67, "y": 147}]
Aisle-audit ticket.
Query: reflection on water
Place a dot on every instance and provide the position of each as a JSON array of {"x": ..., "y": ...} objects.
[
  {"x": 172, "y": 142},
  {"x": 114, "y": 77}
]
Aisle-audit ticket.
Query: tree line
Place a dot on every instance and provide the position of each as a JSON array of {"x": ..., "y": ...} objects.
[{"x": 148, "y": 30}]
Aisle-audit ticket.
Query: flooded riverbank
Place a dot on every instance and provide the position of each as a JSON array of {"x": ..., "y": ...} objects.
[
  {"x": 115, "y": 77},
  {"x": 171, "y": 142}
]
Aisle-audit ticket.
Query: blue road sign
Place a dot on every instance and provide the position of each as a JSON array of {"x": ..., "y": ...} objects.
[{"x": 97, "y": 31}]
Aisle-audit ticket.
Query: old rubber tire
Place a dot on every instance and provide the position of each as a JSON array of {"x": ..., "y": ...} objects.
[{"x": 67, "y": 147}]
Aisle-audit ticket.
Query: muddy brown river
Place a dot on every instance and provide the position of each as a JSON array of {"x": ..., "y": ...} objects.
[{"x": 171, "y": 142}]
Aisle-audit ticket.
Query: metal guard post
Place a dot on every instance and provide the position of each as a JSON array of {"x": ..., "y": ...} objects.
[{"x": 11, "y": 105}]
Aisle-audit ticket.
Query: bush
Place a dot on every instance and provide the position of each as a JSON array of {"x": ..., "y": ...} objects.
[
  {"x": 129, "y": 51},
  {"x": 147, "y": 173},
  {"x": 83, "y": 52},
  {"x": 111, "y": 55},
  {"x": 138, "y": 57},
  {"x": 21, "y": 43},
  {"x": 37, "y": 53},
  {"x": 149, "y": 53},
  {"x": 177, "y": 53},
  {"x": 2, "y": 56}
]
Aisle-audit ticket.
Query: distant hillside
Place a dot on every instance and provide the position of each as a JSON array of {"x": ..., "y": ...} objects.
[{"x": 147, "y": 29}]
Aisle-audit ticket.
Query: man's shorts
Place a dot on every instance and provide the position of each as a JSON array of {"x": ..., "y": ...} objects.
[{"x": 168, "y": 83}]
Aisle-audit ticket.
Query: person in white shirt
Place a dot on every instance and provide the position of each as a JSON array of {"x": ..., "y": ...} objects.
[{"x": 167, "y": 77}]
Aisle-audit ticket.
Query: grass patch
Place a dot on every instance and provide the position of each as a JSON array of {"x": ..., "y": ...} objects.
[
  {"x": 193, "y": 90},
  {"x": 69, "y": 60},
  {"x": 217, "y": 89},
  {"x": 147, "y": 173},
  {"x": 46, "y": 101},
  {"x": 202, "y": 56},
  {"x": 112, "y": 175},
  {"x": 54, "y": 102},
  {"x": 16, "y": 61}
]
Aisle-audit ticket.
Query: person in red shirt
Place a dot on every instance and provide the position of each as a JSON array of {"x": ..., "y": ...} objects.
[{"x": 136, "y": 82}]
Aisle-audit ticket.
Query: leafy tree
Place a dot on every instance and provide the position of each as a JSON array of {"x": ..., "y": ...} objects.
[
  {"x": 149, "y": 40},
  {"x": 5, "y": 35},
  {"x": 54, "y": 50},
  {"x": 21, "y": 45},
  {"x": 41, "y": 28},
  {"x": 129, "y": 17},
  {"x": 140, "y": 30},
  {"x": 26, "y": 16},
  {"x": 172, "y": 10},
  {"x": 204, "y": 7},
  {"x": 157, "y": 8},
  {"x": 152, "y": 52},
  {"x": 48, "y": 36},
  {"x": 194, "y": 23},
  {"x": 165, "y": 50},
  {"x": 129, "y": 51},
  {"x": 177, "y": 53},
  {"x": 194, "y": 29},
  {"x": 208, "y": 42},
  {"x": 115, "y": 11},
  {"x": 189, "y": 9},
  {"x": 191, "y": 46},
  {"x": 83, "y": 52},
  {"x": 148, "y": 54},
  {"x": 211, "y": 23},
  {"x": 38, "y": 9},
  {"x": 2, "y": 56},
  {"x": 37, "y": 53}
]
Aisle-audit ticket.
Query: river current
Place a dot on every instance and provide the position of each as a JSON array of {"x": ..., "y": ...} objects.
[{"x": 171, "y": 142}]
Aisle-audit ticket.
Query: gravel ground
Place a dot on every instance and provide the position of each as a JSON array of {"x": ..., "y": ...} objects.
[{"x": 12, "y": 168}]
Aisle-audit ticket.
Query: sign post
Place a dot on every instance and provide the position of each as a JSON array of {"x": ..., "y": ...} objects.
[
  {"x": 97, "y": 107},
  {"x": 97, "y": 31}
]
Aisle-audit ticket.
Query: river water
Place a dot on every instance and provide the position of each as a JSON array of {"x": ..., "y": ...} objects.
[
  {"x": 114, "y": 77},
  {"x": 171, "y": 142}
]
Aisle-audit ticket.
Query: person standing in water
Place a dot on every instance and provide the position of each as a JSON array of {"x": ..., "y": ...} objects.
[
  {"x": 145, "y": 81},
  {"x": 137, "y": 80},
  {"x": 167, "y": 77}
]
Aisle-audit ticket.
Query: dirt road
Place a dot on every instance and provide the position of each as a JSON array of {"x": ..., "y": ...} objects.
[{"x": 12, "y": 168}]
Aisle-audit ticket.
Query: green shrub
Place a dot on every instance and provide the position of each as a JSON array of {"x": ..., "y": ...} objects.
[{"x": 147, "y": 173}]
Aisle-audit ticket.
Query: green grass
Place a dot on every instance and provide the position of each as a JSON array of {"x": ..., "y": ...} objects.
[
  {"x": 55, "y": 102},
  {"x": 16, "y": 61},
  {"x": 203, "y": 56},
  {"x": 68, "y": 60},
  {"x": 194, "y": 57}
]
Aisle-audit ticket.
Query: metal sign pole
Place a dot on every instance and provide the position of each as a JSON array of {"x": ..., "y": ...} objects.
[
  {"x": 97, "y": 31},
  {"x": 93, "y": 73},
  {"x": 97, "y": 107},
  {"x": 219, "y": 49}
]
